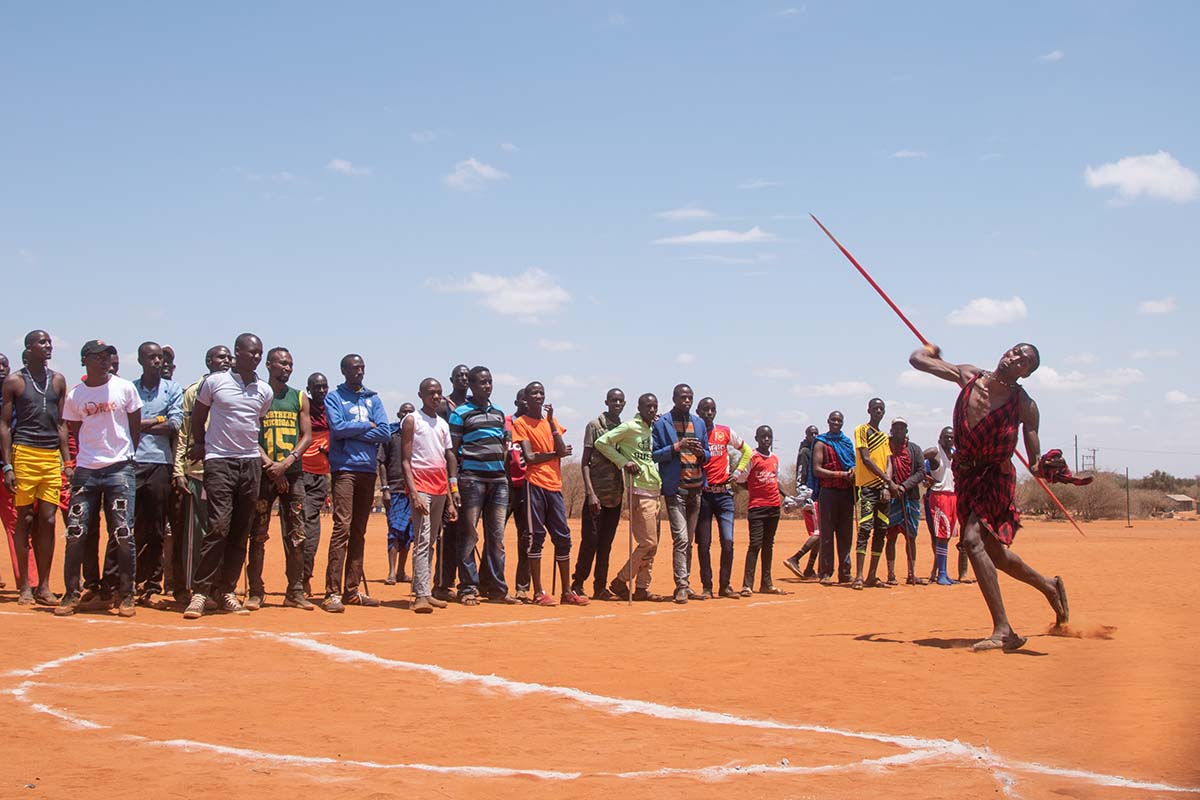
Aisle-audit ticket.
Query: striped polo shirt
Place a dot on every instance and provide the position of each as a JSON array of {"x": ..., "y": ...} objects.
[{"x": 480, "y": 440}]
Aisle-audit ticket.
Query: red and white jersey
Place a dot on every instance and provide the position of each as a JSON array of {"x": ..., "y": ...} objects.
[
  {"x": 763, "y": 480},
  {"x": 721, "y": 440}
]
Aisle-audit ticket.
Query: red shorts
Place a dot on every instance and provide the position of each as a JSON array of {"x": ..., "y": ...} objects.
[
  {"x": 943, "y": 508},
  {"x": 810, "y": 520}
]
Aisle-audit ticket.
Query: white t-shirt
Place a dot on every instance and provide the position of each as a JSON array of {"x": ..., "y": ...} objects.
[
  {"x": 943, "y": 476},
  {"x": 103, "y": 416},
  {"x": 431, "y": 440},
  {"x": 235, "y": 410}
]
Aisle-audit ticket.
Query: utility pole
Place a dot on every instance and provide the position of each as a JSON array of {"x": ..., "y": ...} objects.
[
  {"x": 1077, "y": 452},
  {"x": 1089, "y": 462}
]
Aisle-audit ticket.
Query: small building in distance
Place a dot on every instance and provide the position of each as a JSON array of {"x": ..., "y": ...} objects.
[{"x": 1181, "y": 502}]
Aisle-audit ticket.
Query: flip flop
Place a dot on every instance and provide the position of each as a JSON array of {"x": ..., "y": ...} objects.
[
  {"x": 984, "y": 645},
  {"x": 1065, "y": 616},
  {"x": 857, "y": 585}
]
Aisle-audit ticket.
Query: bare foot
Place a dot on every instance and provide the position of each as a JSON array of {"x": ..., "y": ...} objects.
[{"x": 1058, "y": 601}]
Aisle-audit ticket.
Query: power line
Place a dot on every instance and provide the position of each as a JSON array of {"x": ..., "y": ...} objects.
[{"x": 1152, "y": 452}]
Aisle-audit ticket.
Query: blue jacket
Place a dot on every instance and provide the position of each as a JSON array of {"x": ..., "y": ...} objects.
[
  {"x": 664, "y": 453},
  {"x": 353, "y": 443}
]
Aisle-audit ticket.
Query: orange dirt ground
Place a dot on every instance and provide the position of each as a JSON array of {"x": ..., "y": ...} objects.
[{"x": 762, "y": 697}]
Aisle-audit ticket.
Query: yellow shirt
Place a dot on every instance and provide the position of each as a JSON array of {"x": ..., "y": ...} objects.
[{"x": 876, "y": 443}]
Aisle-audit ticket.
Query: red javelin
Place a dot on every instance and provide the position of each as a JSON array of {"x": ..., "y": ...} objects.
[{"x": 925, "y": 342}]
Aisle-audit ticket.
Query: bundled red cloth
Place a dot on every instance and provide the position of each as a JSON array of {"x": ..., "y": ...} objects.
[{"x": 1053, "y": 469}]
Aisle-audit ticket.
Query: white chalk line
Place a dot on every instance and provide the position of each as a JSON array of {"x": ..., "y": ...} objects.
[{"x": 939, "y": 747}]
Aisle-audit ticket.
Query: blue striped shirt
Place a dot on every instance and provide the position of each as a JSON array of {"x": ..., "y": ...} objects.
[{"x": 480, "y": 440}]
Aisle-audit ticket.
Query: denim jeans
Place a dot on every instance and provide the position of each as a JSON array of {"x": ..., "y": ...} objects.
[
  {"x": 489, "y": 501},
  {"x": 114, "y": 489},
  {"x": 426, "y": 528},
  {"x": 683, "y": 512},
  {"x": 719, "y": 505}
]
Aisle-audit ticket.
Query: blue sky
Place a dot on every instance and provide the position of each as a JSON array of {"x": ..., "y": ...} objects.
[{"x": 596, "y": 195}]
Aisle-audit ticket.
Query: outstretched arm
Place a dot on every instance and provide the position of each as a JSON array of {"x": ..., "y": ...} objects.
[{"x": 929, "y": 359}]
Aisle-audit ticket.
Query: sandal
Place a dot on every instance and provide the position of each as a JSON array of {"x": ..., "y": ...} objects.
[
  {"x": 873, "y": 583},
  {"x": 746, "y": 592},
  {"x": 469, "y": 599},
  {"x": 857, "y": 585},
  {"x": 771, "y": 590},
  {"x": 913, "y": 580}
]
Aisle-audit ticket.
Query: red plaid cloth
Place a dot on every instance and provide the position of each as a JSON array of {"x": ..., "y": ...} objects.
[
  {"x": 1053, "y": 468},
  {"x": 984, "y": 478}
]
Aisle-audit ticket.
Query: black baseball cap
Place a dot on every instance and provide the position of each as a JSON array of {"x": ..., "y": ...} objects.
[{"x": 95, "y": 347}]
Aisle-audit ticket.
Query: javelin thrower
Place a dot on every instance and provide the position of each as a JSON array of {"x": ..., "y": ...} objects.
[{"x": 992, "y": 408}]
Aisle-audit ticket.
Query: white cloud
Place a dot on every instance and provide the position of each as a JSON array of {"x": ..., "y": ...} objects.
[
  {"x": 1102, "y": 398},
  {"x": 1081, "y": 358},
  {"x": 1102, "y": 419},
  {"x": 617, "y": 20},
  {"x": 987, "y": 311},
  {"x": 910, "y": 154},
  {"x": 528, "y": 296},
  {"x": 758, "y": 258},
  {"x": 685, "y": 358},
  {"x": 774, "y": 372},
  {"x": 567, "y": 382},
  {"x": 1166, "y": 352},
  {"x": 752, "y": 236},
  {"x": 1158, "y": 175},
  {"x": 1163, "y": 306},
  {"x": 679, "y": 214},
  {"x": 508, "y": 147},
  {"x": 27, "y": 256},
  {"x": 1053, "y": 55},
  {"x": 471, "y": 175},
  {"x": 1178, "y": 398},
  {"x": 508, "y": 380},
  {"x": 759, "y": 183},
  {"x": 343, "y": 167},
  {"x": 912, "y": 379},
  {"x": 790, "y": 12},
  {"x": 555, "y": 345},
  {"x": 835, "y": 389},
  {"x": 422, "y": 137},
  {"x": 1052, "y": 379}
]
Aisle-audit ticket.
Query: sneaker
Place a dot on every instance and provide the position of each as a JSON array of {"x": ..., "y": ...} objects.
[
  {"x": 728, "y": 593},
  {"x": 333, "y": 604},
  {"x": 253, "y": 603},
  {"x": 196, "y": 607},
  {"x": 681, "y": 596},
  {"x": 577, "y": 588},
  {"x": 522, "y": 595},
  {"x": 544, "y": 599},
  {"x": 66, "y": 607},
  {"x": 230, "y": 604},
  {"x": 793, "y": 566},
  {"x": 297, "y": 601},
  {"x": 422, "y": 606},
  {"x": 573, "y": 598},
  {"x": 127, "y": 607},
  {"x": 360, "y": 599},
  {"x": 211, "y": 604},
  {"x": 88, "y": 596}
]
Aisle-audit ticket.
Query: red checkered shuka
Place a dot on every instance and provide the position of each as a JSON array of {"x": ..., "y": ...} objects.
[{"x": 984, "y": 478}]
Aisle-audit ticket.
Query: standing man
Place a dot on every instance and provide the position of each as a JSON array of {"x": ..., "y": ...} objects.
[
  {"x": 941, "y": 512},
  {"x": 285, "y": 435},
  {"x": 225, "y": 424},
  {"x": 477, "y": 429},
  {"x": 906, "y": 471},
  {"x": 448, "y": 562},
  {"x": 427, "y": 457},
  {"x": 629, "y": 446},
  {"x": 603, "y": 487},
  {"x": 870, "y": 478},
  {"x": 540, "y": 437},
  {"x": 187, "y": 475},
  {"x": 33, "y": 447},
  {"x": 832, "y": 483},
  {"x": 168, "y": 363},
  {"x": 162, "y": 414},
  {"x": 316, "y": 473},
  {"x": 103, "y": 412},
  {"x": 990, "y": 411},
  {"x": 8, "y": 513},
  {"x": 396, "y": 501},
  {"x": 357, "y": 426},
  {"x": 812, "y": 545},
  {"x": 681, "y": 450},
  {"x": 717, "y": 498},
  {"x": 762, "y": 512}
]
